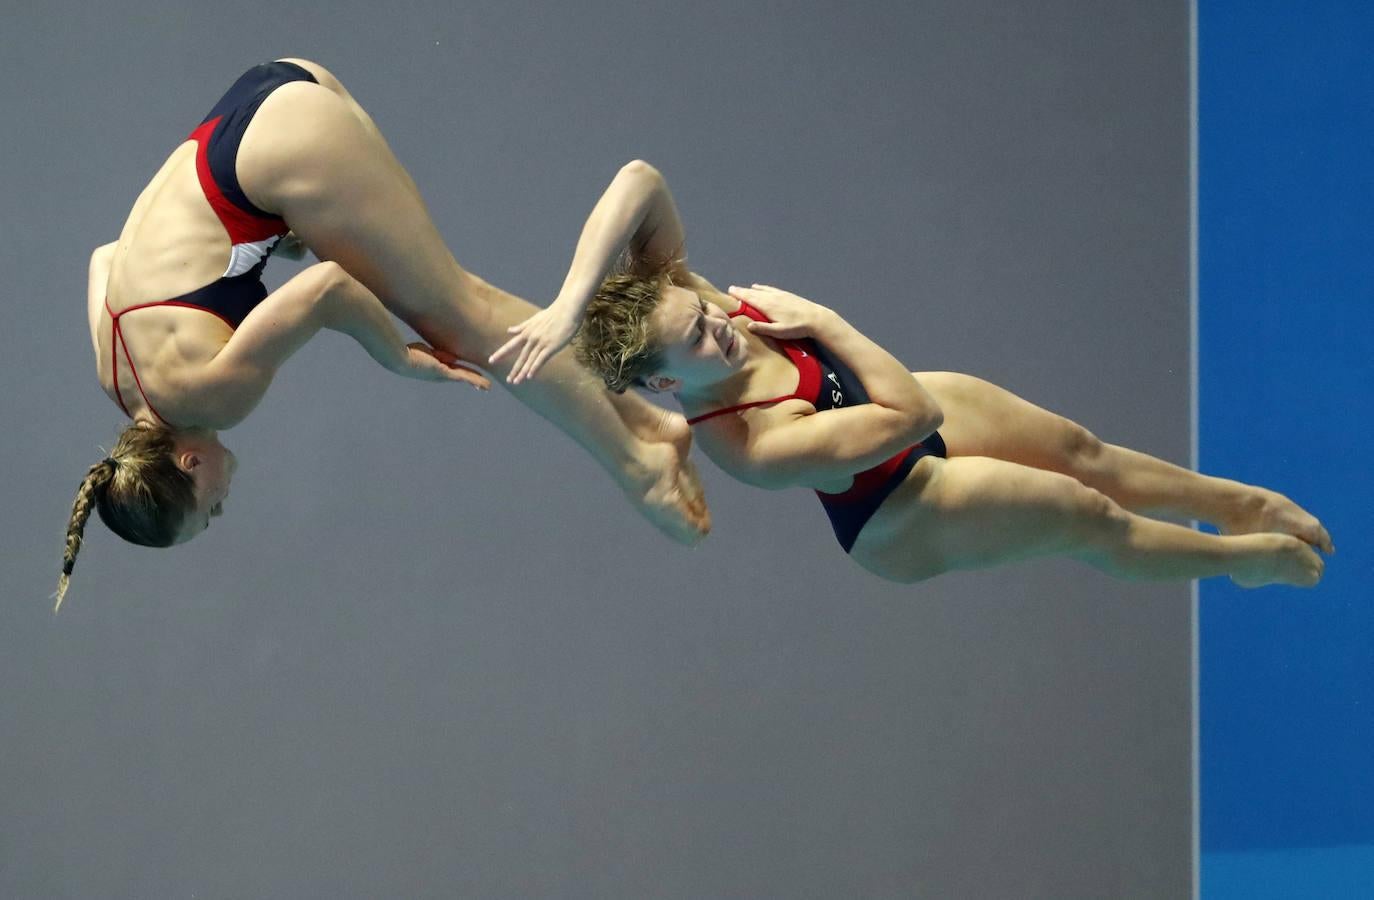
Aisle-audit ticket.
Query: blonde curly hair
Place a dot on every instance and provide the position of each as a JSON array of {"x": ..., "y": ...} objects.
[{"x": 616, "y": 340}]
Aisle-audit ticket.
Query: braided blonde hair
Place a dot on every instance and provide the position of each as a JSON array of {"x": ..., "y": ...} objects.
[{"x": 141, "y": 493}]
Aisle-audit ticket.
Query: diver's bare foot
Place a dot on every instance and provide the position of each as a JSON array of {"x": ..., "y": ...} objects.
[
  {"x": 1278, "y": 559},
  {"x": 661, "y": 482},
  {"x": 1265, "y": 510},
  {"x": 666, "y": 489}
]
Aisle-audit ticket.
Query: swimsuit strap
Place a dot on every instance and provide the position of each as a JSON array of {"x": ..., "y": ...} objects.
[
  {"x": 808, "y": 372},
  {"x": 117, "y": 334},
  {"x": 746, "y": 310},
  {"x": 729, "y": 409}
]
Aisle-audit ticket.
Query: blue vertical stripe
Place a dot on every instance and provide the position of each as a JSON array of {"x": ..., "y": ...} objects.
[{"x": 1285, "y": 210}]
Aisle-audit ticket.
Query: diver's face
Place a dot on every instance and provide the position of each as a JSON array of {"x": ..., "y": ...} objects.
[
  {"x": 700, "y": 344},
  {"x": 211, "y": 466}
]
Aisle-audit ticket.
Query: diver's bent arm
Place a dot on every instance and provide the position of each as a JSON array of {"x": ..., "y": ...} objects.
[
  {"x": 635, "y": 211},
  {"x": 322, "y": 296},
  {"x": 783, "y": 445},
  {"x": 779, "y": 448},
  {"x": 886, "y": 380},
  {"x": 350, "y": 308}
]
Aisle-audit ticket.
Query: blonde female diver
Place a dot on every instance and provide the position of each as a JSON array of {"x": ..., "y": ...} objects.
[
  {"x": 921, "y": 473},
  {"x": 187, "y": 340}
]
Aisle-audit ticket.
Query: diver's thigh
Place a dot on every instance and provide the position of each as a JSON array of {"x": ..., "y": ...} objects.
[
  {"x": 309, "y": 159},
  {"x": 973, "y": 512},
  {"x": 330, "y": 81},
  {"x": 983, "y": 419}
]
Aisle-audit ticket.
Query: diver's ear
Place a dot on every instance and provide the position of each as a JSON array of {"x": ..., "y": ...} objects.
[
  {"x": 662, "y": 383},
  {"x": 188, "y": 460}
]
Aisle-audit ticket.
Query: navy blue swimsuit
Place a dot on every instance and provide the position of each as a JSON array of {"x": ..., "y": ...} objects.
[
  {"x": 826, "y": 383},
  {"x": 252, "y": 232}
]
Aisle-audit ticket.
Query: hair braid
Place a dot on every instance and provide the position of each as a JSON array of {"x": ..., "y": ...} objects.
[
  {"x": 139, "y": 490},
  {"x": 100, "y": 474}
]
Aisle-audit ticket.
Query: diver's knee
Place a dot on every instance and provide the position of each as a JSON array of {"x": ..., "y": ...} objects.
[
  {"x": 1098, "y": 519},
  {"x": 1080, "y": 447}
]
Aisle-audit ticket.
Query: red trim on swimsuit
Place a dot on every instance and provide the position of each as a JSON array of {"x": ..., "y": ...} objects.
[
  {"x": 808, "y": 389},
  {"x": 243, "y": 226},
  {"x": 117, "y": 334},
  {"x": 870, "y": 480},
  {"x": 808, "y": 371}
]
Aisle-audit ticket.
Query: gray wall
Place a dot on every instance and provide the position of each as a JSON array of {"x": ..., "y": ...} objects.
[{"x": 429, "y": 652}]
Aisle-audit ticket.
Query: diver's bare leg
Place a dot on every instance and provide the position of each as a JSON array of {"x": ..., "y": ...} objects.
[
  {"x": 308, "y": 157},
  {"x": 974, "y": 512},
  {"x": 982, "y": 419}
]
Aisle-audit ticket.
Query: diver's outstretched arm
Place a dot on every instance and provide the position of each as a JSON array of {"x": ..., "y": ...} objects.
[{"x": 227, "y": 388}]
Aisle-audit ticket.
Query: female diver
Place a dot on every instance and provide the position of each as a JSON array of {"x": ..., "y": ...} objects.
[
  {"x": 187, "y": 339},
  {"x": 920, "y": 473}
]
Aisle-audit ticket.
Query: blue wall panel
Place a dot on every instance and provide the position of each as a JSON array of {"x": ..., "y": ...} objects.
[{"x": 1286, "y": 332}]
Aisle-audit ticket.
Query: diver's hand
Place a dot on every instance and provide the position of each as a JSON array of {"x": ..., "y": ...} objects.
[
  {"x": 536, "y": 339},
  {"x": 793, "y": 317},
  {"x": 425, "y": 363}
]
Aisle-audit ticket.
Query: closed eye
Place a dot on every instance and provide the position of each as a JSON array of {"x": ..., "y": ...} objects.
[{"x": 701, "y": 320}]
